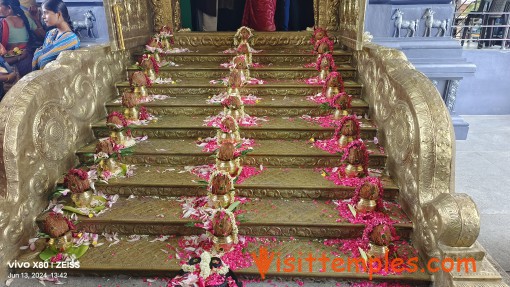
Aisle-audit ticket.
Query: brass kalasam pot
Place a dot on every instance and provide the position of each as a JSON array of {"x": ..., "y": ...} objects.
[
  {"x": 234, "y": 137},
  {"x": 165, "y": 43},
  {"x": 62, "y": 243},
  {"x": 131, "y": 113},
  {"x": 237, "y": 114},
  {"x": 246, "y": 74},
  {"x": 331, "y": 92},
  {"x": 151, "y": 74},
  {"x": 223, "y": 244},
  {"x": 377, "y": 251},
  {"x": 233, "y": 167},
  {"x": 366, "y": 205},
  {"x": 221, "y": 201},
  {"x": 157, "y": 57},
  {"x": 344, "y": 141},
  {"x": 354, "y": 170},
  {"x": 118, "y": 137},
  {"x": 323, "y": 75},
  {"x": 82, "y": 199},
  {"x": 233, "y": 91},
  {"x": 113, "y": 166},
  {"x": 339, "y": 114},
  {"x": 141, "y": 92}
]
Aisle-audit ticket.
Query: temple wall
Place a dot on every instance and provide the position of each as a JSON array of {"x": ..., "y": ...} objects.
[
  {"x": 487, "y": 92},
  {"x": 439, "y": 58},
  {"x": 77, "y": 9}
]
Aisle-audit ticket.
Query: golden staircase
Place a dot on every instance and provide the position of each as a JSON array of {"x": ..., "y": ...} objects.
[
  {"x": 45, "y": 134},
  {"x": 288, "y": 186}
]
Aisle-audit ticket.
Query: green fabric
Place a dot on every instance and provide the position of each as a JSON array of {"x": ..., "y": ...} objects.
[
  {"x": 186, "y": 14},
  {"x": 17, "y": 35}
]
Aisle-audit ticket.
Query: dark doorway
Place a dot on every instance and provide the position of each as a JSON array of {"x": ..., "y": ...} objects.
[{"x": 227, "y": 15}]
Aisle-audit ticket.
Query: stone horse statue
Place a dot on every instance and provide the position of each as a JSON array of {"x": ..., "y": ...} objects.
[
  {"x": 87, "y": 24},
  {"x": 411, "y": 26},
  {"x": 430, "y": 23}
]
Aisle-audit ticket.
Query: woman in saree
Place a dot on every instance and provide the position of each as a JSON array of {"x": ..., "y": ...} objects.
[
  {"x": 16, "y": 35},
  {"x": 259, "y": 15},
  {"x": 58, "y": 39}
]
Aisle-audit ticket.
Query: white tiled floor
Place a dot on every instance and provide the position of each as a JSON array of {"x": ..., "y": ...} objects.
[{"x": 482, "y": 171}]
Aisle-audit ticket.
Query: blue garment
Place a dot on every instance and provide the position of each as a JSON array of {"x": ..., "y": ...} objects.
[
  {"x": 5, "y": 65},
  {"x": 282, "y": 15},
  {"x": 52, "y": 47}
]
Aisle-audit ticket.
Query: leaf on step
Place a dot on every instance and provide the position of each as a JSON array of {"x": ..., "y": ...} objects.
[
  {"x": 46, "y": 254},
  {"x": 363, "y": 255},
  {"x": 74, "y": 210},
  {"x": 233, "y": 206},
  {"x": 8, "y": 282},
  {"x": 202, "y": 182},
  {"x": 324, "y": 106},
  {"x": 351, "y": 208},
  {"x": 78, "y": 251}
]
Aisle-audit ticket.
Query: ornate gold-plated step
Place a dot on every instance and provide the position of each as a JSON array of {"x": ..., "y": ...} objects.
[
  {"x": 172, "y": 181},
  {"x": 277, "y": 153},
  {"x": 274, "y": 87},
  {"x": 274, "y": 128},
  {"x": 267, "y": 72},
  {"x": 159, "y": 260},
  {"x": 260, "y": 217},
  {"x": 268, "y": 55},
  {"x": 281, "y": 106}
]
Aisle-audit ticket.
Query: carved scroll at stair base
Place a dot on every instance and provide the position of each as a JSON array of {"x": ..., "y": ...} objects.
[
  {"x": 44, "y": 118},
  {"x": 417, "y": 132}
]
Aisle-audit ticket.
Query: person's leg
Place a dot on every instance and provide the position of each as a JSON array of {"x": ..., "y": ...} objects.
[
  {"x": 294, "y": 15},
  {"x": 194, "y": 16},
  {"x": 186, "y": 18},
  {"x": 306, "y": 14},
  {"x": 281, "y": 17},
  {"x": 210, "y": 22}
]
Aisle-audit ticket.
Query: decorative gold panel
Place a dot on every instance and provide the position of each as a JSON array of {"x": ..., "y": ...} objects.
[
  {"x": 135, "y": 21},
  {"x": 44, "y": 118},
  {"x": 352, "y": 23}
]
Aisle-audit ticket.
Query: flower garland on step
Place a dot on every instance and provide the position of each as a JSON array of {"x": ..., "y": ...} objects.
[
  {"x": 246, "y": 121},
  {"x": 211, "y": 144},
  {"x": 155, "y": 64},
  {"x": 321, "y": 41},
  {"x": 247, "y": 100},
  {"x": 205, "y": 270},
  {"x": 139, "y": 79},
  {"x": 316, "y": 31},
  {"x": 338, "y": 76},
  {"x": 331, "y": 61},
  {"x": 342, "y": 122},
  {"x": 204, "y": 172},
  {"x": 333, "y": 102}
]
